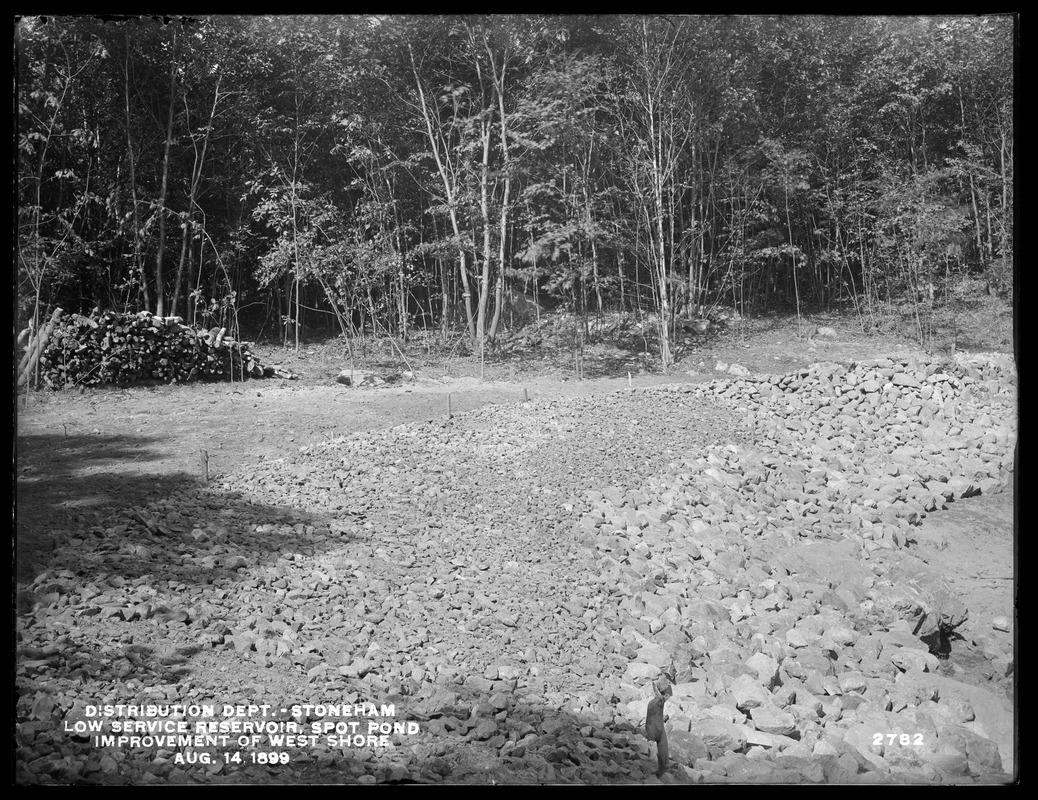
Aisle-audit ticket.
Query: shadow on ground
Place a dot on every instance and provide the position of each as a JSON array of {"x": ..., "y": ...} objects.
[{"x": 84, "y": 470}]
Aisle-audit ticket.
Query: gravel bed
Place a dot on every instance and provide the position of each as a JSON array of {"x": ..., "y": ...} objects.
[{"x": 521, "y": 582}]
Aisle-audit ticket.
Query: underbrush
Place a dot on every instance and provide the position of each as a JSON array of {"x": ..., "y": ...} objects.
[
  {"x": 611, "y": 345},
  {"x": 564, "y": 345},
  {"x": 979, "y": 323}
]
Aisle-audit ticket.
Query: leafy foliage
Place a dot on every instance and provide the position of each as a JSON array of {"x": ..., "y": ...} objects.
[{"x": 389, "y": 167}]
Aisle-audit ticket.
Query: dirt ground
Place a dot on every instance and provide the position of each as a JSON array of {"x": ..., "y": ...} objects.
[{"x": 80, "y": 455}]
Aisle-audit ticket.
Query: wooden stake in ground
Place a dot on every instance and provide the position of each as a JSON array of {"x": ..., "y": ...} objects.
[
  {"x": 449, "y": 414},
  {"x": 205, "y": 463}
]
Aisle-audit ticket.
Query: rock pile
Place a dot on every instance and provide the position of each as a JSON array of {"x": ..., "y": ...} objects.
[
  {"x": 728, "y": 578},
  {"x": 349, "y": 377},
  {"x": 516, "y": 579}
]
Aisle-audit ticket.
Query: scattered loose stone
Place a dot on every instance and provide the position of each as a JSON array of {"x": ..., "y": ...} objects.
[{"x": 517, "y": 580}]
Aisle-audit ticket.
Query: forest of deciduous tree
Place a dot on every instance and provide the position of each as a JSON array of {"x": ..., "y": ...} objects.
[{"x": 388, "y": 173}]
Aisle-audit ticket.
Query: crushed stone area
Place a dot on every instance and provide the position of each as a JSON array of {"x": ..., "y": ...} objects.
[{"x": 516, "y": 579}]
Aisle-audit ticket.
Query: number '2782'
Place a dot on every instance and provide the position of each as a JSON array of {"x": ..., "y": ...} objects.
[{"x": 903, "y": 739}]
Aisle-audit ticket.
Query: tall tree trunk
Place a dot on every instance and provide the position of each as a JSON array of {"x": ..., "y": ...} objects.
[
  {"x": 137, "y": 256},
  {"x": 661, "y": 249},
  {"x": 499, "y": 83},
  {"x": 443, "y": 166},
  {"x": 484, "y": 205},
  {"x": 159, "y": 288},
  {"x": 589, "y": 216},
  {"x": 973, "y": 188},
  {"x": 196, "y": 176},
  {"x": 1004, "y": 148}
]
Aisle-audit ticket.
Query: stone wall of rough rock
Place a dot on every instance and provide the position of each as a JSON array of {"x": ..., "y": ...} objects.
[{"x": 778, "y": 578}]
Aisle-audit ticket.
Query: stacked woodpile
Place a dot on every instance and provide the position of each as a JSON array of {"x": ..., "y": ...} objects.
[{"x": 109, "y": 347}]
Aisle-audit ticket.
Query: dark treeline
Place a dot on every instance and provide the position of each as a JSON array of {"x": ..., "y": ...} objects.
[{"x": 388, "y": 172}]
